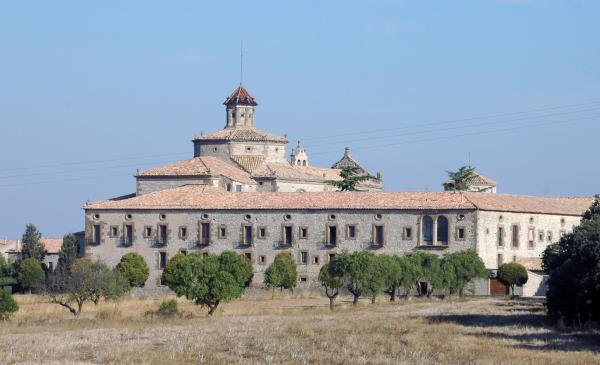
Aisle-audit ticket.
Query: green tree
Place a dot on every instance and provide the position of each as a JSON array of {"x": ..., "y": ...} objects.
[
  {"x": 460, "y": 268},
  {"x": 430, "y": 270},
  {"x": 6, "y": 268},
  {"x": 512, "y": 274},
  {"x": 88, "y": 281},
  {"x": 32, "y": 245},
  {"x": 8, "y": 306},
  {"x": 67, "y": 255},
  {"x": 168, "y": 278},
  {"x": 237, "y": 265},
  {"x": 206, "y": 281},
  {"x": 411, "y": 272},
  {"x": 573, "y": 265},
  {"x": 30, "y": 274},
  {"x": 134, "y": 268},
  {"x": 388, "y": 275},
  {"x": 460, "y": 180},
  {"x": 351, "y": 177},
  {"x": 332, "y": 280},
  {"x": 282, "y": 273},
  {"x": 358, "y": 268}
]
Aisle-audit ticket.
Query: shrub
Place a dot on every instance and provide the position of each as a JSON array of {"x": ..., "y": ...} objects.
[
  {"x": 282, "y": 272},
  {"x": 332, "y": 281},
  {"x": 573, "y": 265},
  {"x": 512, "y": 274},
  {"x": 168, "y": 277},
  {"x": 30, "y": 274},
  {"x": 168, "y": 308},
  {"x": 430, "y": 271},
  {"x": 460, "y": 268},
  {"x": 8, "y": 306},
  {"x": 207, "y": 281},
  {"x": 358, "y": 270},
  {"x": 133, "y": 267}
]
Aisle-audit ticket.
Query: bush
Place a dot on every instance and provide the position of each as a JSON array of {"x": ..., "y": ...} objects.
[
  {"x": 133, "y": 267},
  {"x": 460, "y": 268},
  {"x": 8, "y": 306},
  {"x": 512, "y": 274},
  {"x": 282, "y": 272},
  {"x": 573, "y": 265},
  {"x": 168, "y": 277},
  {"x": 30, "y": 274},
  {"x": 168, "y": 308}
]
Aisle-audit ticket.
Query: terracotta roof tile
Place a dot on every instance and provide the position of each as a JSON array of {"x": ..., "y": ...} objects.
[
  {"x": 192, "y": 197},
  {"x": 294, "y": 172},
  {"x": 240, "y": 96},
  {"x": 478, "y": 180},
  {"x": 575, "y": 206},
  {"x": 52, "y": 245},
  {"x": 247, "y": 134},
  {"x": 200, "y": 166},
  {"x": 249, "y": 162},
  {"x": 531, "y": 263}
]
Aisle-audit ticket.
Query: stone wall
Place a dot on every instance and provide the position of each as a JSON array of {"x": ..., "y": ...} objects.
[
  {"x": 264, "y": 249},
  {"x": 145, "y": 185},
  {"x": 552, "y": 226}
]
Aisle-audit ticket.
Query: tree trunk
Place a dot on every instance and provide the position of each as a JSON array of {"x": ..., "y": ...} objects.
[
  {"x": 355, "y": 300},
  {"x": 331, "y": 303},
  {"x": 212, "y": 308},
  {"x": 373, "y": 299}
]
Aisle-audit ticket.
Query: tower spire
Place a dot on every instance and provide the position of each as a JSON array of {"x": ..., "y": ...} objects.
[{"x": 241, "y": 62}]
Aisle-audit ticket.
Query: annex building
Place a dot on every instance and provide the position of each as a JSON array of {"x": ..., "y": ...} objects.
[{"x": 241, "y": 192}]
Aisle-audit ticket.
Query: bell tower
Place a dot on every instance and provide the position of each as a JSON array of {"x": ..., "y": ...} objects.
[
  {"x": 240, "y": 107},
  {"x": 299, "y": 157}
]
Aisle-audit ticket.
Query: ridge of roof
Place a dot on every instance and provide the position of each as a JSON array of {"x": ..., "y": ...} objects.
[
  {"x": 240, "y": 96},
  {"x": 242, "y": 134},
  {"x": 573, "y": 206}
]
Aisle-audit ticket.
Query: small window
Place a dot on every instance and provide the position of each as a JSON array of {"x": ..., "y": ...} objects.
[
  {"x": 247, "y": 232},
  {"x": 162, "y": 260},
  {"x": 262, "y": 259},
  {"x": 303, "y": 279},
  {"x": 262, "y": 232},
  {"x": 531, "y": 237},
  {"x": 184, "y": 252},
  {"x": 500, "y": 236},
  {"x": 304, "y": 257},
  {"x": 228, "y": 187},
  {"x": 248, "y": 255},
  {"x": 248, "y": 148},
  {"x": 331, "y": 256},
  {"x": 128, "y": 234},
  {"x": 114, "y": 231},
  {"x": 96, "y": 216},
  {"x": 378, "y": 235},
  {"x": 148, "y": 231},
  {"x": 238, "y": 188},
  {"x": 183, "y": 232},
  {"x": 514, "y": 258},
  {"x": 500, "y": 260},
  {"x": 247, "y": 217},
  {"x": 460, "y": 233},
  {"x": 351, "y": 231},
  {"x": 332, "y": 217},
  {"x": 287, "y": 217},
  {"x": 204, "y": 254},
  {"x": 303, "y": 233},
  {"x": 315, "y": 260},
  {"x": 222, "y": 232},
  {"x": 205, "y": 216},
  {"x": 515, "y": 236},
  {"x": 549, "y": 236},
  {"x": 288, "y": 237},
  {"x": 215, "y": 149},
  {"x": 332, "y": 235},
  {"x": 204, "y": 233},
  {"x": 162, "y": 217},
  {"x": 128, "y": 217},
  {"x": 541, "y": 236},
  {"x": 261, "y": 183},
  {"x": 407, "y": 233},
  {"x": 378, "y": 216},
  {"x": 562, "y": 221},
  {"x": 531, "y": 220},
  {"x": 96, "y": 233},
  {"x": 162, "y": 234}
]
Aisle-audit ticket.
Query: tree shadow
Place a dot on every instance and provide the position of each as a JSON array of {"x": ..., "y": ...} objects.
[
  {"x": 492, "y": 320},
  {"x": 551, "y": 340}
]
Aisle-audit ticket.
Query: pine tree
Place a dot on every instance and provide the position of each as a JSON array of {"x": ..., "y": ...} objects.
[
  {"x": 351, "y": 177},
  {"x": 461, "y": 179},
  {"x": 32, "y": 245},
  {"x": 67, "y": 255}
]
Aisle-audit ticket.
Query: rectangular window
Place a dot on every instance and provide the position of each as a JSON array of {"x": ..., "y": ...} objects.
[
  {"x": 460, "y": 233},
  {"x": 96, "y": 233},
  {"x": 378, "y": 235},
  {"x": 501, "y": 236},
  {"x": 162, "y": 260},
  {"x": 500, "y": 260},
  {"x": 262, "y": 232},
  {"x": 287, "y": 235},
  {"x": 222, "y": 231},
  {"x": 549, "y": 236},
  {"x": 183, "y": 232},
  {"x": 205, "y": 233},
  {"x": 128, "y": 234},
  {"x": 148, "y": 231},
  {"x": 304, "y": 257},
  {"x": 351, "y": 231},
  {"x": 332, "y": 235},
  {"x": 303, "y": 279},
  {"x": 315, "y": 260},
  {"x": 248, "y": 255},
  {"x": 184, "y": 252},
  {"x": 515, "y": 236},
  {"x": 531, "y": 237},
  {"x": 407, "y": 233},
  {"x": 204, "y": 254},
  {"x": 303, "y": 233},
  {"x": 262, "y": 259},
  {"x": 247, "y": 232},
  {"x": 541, "y": 236},
  {"x": 114, "y": 231},
  {"x": 238, "y": 188},
  {"x": 162, "y": 234},
  {"x": 331, "y": 256},
  {"x": 228, "y": 187}
]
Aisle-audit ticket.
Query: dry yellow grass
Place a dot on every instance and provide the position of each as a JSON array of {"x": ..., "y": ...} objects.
[{"x": 298, "y": 330}]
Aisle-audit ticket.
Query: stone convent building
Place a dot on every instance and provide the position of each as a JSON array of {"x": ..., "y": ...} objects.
[{"x": 239, "y": 192}]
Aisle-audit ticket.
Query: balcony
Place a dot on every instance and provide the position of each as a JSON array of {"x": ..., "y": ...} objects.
[
  {"x": 431, "y": 247},
  {"x": 92, "y": 242},
  {"x": 125, "y": 242}
]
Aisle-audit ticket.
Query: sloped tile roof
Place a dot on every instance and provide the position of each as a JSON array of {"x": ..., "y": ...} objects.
[
  {"x": 240, "y": 96},
  {"x": 478, "y": 180},
  {"x": 249, "y": 162},
  {"x": 52, "y": 245},
  {"x": 348, "y": 161},
  {"x": 574, "y": 206},
  {"x": 200, "y": 166},
  {"x": 294, "y": 172},
  {"x": 193, "y": 197},
  {"x": 239, "y": 134},
  {"x": 531, "y": 263}
]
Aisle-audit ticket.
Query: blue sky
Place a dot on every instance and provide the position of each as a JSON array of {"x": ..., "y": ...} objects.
[{"x": 114, "y": 81}]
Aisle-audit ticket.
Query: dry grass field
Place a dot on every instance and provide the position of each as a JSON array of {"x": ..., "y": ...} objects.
[{"x": 298, "y": 330}]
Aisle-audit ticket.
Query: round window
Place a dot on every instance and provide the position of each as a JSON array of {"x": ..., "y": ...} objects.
[
  {"x": 378, "y": 216},
  {"x": 128, "y": 216},
  {"x": 204, "y": 216},
  {"x": 247, "y": 217},
  {"x": 332, "y": 217},
  {"x": 162, "y": 217},
  {"x": 96, "y": 216},
  {"x": 287, "y": 217}
]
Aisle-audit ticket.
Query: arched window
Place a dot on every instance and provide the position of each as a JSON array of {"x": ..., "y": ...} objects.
[
  {"x": 303, "y": 162},
  {"x": 428, "y": 230},
  {"x": 442, "y": 230}
]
